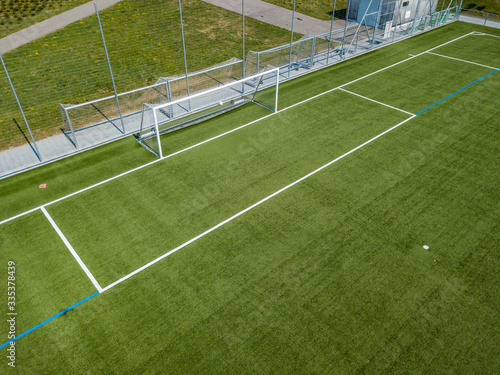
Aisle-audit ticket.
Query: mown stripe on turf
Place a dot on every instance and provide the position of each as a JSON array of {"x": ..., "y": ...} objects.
[{"x": 48, "y": 320}]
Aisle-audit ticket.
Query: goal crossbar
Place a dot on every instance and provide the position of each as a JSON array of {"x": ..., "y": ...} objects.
[
  {"x": 176, "y": 114},
  {"x": 209, "y": 91}
]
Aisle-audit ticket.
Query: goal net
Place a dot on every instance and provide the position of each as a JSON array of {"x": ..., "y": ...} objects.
[{"x": 260, "y": 89}]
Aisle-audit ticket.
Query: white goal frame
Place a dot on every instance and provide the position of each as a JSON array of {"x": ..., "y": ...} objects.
[{"x": 242, "y": 88}]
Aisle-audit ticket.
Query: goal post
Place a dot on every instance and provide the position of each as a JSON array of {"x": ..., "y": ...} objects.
[{"x": 157, "y": 119}]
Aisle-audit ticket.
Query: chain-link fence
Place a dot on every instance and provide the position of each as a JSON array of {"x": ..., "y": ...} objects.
[{"x": 85, "y": 84}]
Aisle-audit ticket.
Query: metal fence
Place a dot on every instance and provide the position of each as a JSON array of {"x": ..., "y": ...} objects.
[{"x": 84, "y": 85}]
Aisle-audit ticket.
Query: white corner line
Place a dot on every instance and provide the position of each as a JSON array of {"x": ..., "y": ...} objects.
[
  {"x": 375, "y": 101},
  {"x": 70, "y": 248},
  {"x": 220, "y": 135},
  {"x": 465, "y": 61},
  {"x": 252, "y": 207}
]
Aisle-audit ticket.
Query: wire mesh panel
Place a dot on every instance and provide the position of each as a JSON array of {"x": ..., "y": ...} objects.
[
  {"x": 104, "y": 112},
  {"x": 301, "y": 55},
  {"x": 217, "y": 75},
  {"x": 67, "y": 66}
]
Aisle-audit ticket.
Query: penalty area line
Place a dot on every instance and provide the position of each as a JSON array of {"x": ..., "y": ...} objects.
[
  {"x": 48, "y": 320},
  {"x": 194, "y": 239},
  {"x": 71, "y": 249}
]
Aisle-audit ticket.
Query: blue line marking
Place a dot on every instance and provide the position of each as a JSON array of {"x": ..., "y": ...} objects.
[
  {"x": 48, "y": 320},
  {"x": 456, "y": 92}
]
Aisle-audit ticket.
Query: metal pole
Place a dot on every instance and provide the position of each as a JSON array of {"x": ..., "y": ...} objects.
[
  {"x": 397, "y": 21},
  {"x": 155, "y": 117},
  {"x": 363, "y": 22},
  {"x": 417, "y": 7},
  {"x": 291, "y": 41},
  {"x": 331, "y": 29},
  {"x": 345, "y": 28},
  {"x": 381, "y": 2},
  {"x": 277, "y": 88},
  {"x": 109, "y": 65},
  {"x": 243, "y": 30},
  {"x": 37, "y": 153},
  {"x": 184, "y": 49}
]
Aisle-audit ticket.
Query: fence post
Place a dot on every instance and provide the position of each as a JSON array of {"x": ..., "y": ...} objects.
[
  {"x": 396, "y": 25},
  {"x": 376, "y": 22},
  {"x": 35, "y": 147},
  {"x": 109, "y": 66},
  {"x": 243, "y": 32},
  {"x": 184, "y": 48},
  {"x": 291, "y": 41},
  {"x": 342, "y": 54},
  {"x": 331, "y": 29}
]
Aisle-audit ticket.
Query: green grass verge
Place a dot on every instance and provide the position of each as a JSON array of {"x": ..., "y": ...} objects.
[
  {"x": 489, "y": 6},
  {"x": 320, "y": 9},
  {"x": 17, "y": 15}
]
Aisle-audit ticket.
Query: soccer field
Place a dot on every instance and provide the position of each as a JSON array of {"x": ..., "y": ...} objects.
[{"x": 355, "y": 230}]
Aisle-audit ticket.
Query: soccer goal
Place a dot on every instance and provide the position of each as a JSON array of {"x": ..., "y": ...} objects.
[{"x": 260, "y": 89}]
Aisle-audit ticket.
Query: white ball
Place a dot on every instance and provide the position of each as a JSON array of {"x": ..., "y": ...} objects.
[{"x": 220, "y": 103}]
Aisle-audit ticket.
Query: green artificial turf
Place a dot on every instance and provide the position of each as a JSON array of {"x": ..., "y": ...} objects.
[
  {"x": 329, "y": 276},
  {"x": 197, "y": 190}
]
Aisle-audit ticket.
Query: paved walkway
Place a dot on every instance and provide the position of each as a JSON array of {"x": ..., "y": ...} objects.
[
  {"x": 479, "y": 21},
  {"x": 52, "y": 24},
  {"x": 278, "y": 16}
]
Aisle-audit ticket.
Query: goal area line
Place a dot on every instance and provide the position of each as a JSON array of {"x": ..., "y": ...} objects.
[{"x": 224, "y": 134}]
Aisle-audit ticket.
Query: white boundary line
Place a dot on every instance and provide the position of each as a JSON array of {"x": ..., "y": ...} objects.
[
  {"x": 194, "y": 239},
  {"x": 485, "y": 34},
  {"x": 375, "y": 101},
  {"x": 223, "y": 134},
  {"x": 72, "y": 251},
  {"x": 465, "y": 61}
]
